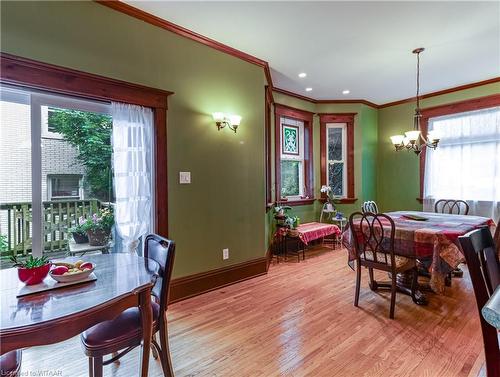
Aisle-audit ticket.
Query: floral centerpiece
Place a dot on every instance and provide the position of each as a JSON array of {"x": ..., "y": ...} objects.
[
  {"x": 78, "y": 231},
  {"x": 98, "y": 227}
]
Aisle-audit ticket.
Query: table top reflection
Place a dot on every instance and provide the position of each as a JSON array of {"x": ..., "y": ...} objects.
[{"x": 118, "y": 275}]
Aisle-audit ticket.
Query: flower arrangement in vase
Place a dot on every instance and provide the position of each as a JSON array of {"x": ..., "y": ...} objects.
[
  {"x": 292, "y": 223},
  {"x": 98, "y": 227}
]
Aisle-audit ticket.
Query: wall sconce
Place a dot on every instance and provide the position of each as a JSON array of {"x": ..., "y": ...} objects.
[{"x": 222, "y": 120}]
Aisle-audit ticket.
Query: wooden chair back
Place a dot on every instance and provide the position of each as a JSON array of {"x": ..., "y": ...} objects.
[
  {"x": 373, "y": 238},
  {"x": 484, "y": 269},
  {"x": 451, "y": 206},
  {"x": 369, "y": 206},
  {"x": 162, "y": 251},
  {"x": 496, "y": 237}
]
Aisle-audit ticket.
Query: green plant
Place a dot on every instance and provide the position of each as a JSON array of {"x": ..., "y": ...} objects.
[
  {"x": 292, "y": 222},
  {"x": 102, "y": 220},
  {"x": 90, "y": 133},
  {"x": 31, "y": 262},
  {"x": 79, "y": 226},
  {"x": 4, "y": 246}
]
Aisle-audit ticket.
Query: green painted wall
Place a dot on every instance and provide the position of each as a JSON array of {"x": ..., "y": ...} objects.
[
  {"x": 224, "y": 205},
  {"x": 398, "y": 177},
  {"x": 365, "y": 153}
]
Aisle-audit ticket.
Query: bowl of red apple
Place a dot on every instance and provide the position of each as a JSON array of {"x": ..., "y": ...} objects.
[{"x": 64, "y": 272}]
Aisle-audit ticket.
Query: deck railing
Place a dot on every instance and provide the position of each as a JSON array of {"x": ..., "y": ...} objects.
[{"x": 16, "y": 224}]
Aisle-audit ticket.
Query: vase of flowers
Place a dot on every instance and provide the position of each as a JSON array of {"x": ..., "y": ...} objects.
[
  {"x": 33, "y": 270},
  {"x": 78, "y": 231},
  {"x": 329, "y": 204},
  {"x": 98, "y": 227},
  {"x": 292, "y": 223}
]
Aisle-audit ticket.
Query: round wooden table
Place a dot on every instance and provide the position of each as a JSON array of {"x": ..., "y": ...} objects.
[{"x": 123, "y": 281}]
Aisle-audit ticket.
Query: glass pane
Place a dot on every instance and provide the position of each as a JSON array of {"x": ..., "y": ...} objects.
[
  {"x": 76, "y": 176},
  {"x": 335, "y": 143},
  {"x": 290, "y": 181},
  {"x": 290, "y": 140},
  {"x": 15, "y": 172},
  {"x": 65, "y": 187},
  {"x": 336, "y": 178}
]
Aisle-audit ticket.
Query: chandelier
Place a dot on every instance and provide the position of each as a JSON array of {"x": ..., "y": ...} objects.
[{"x": 414, "y": 140}]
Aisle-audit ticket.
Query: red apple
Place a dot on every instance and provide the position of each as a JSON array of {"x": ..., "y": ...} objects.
[
  {"x": 59, "y": 270},
  {"x": 86, "y": 266}
]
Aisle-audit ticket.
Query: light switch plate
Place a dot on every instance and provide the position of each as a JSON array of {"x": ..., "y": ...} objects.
[{"x": 184, "y": 177}]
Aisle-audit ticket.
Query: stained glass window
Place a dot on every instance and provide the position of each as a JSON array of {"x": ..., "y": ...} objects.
[
  {"x": 290, "y": 140},
  {"x": 292, "y": 158},
  {"x": 336, "y": 171}
]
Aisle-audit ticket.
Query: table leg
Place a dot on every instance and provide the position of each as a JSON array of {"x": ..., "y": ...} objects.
[{"x": 147, "y": 329}]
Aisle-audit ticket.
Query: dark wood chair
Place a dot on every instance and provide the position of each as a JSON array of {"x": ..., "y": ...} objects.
[
  {"x": 10, "y": 363},
  {"x": 496, "y": 237},
  {"x": 373, "y": 238},
  {"x": 484, "y": 269},
  {"x": 122, "y": 334},
  {"x": 451, "y": 206},
  {"x": 369, "y": 206}
]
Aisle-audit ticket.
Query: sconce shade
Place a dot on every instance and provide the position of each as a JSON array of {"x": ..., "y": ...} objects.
[
  {"x": 234, "y": 120},
  {"x": 218, "y": 116}
]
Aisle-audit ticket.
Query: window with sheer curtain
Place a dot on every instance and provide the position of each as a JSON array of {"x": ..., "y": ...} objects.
[{"x": 466, "y": 164}]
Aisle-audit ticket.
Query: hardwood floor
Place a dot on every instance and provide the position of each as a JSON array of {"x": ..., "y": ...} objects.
[{"x": 299, "y": 320}]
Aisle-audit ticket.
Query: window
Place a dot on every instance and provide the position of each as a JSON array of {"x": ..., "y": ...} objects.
[
  {"x": 48, "y": 129},
  {"x": 292, "y": 158},
  {"x": 293, "y": 148},
  {"x": 64, "y": 187},
  {"x": 337, "y": 154},
  {"x": 466, "y": 163},
  {"x": 336, "y": 158}
]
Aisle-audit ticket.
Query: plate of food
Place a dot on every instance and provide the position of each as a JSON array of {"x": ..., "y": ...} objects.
[{"x": 64, "y": 272}]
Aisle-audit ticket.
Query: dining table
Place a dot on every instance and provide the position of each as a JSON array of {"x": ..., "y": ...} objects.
[
  {"x": 124, "y": 280},
  {"x": 430, "y": 237}
]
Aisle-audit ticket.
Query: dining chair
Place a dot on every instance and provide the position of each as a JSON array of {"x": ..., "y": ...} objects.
[
  {"x": 496, "y": 237},
  {"x": 10, "y": 363},
  {"x": 484, "y": 270},
  {"x": 451, "y": 206},
  {"x": 122, "y": 334},
  {"x": 373, "y": 238},
  {"x": 369, "y": 206}
]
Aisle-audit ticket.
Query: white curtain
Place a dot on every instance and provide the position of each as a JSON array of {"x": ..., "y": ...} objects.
[
  {"x": 132, "y": 166},
  {"x": 466, "y": 163}
]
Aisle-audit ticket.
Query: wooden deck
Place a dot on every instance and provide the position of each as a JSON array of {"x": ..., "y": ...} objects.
[{"x": 299, "y": 320}]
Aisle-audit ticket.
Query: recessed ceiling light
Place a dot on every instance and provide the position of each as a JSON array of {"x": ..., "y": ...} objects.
[
  {"x": 309, "y": 89},
  {"x": 347, "y": 91},
  {"x": 302, "y": 75}
]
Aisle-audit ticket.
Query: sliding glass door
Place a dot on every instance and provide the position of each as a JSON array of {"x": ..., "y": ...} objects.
[{"x": 55, "y": 168}]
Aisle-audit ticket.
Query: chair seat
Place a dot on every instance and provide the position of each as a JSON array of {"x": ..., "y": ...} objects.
[
  {"x": 10, "y": 363},
  {"x": 119, "y": 333},
  {"x": 400, "y": 261}
]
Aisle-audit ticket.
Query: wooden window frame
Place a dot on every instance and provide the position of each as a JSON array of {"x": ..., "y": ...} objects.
[
  {"x": 307, "y": 118},
  {"x": 348, "y": 119},
  {"x": 32, "y": 74},
  {"x": 450, "y": 108},
  {"x": 267, "y": 125}
]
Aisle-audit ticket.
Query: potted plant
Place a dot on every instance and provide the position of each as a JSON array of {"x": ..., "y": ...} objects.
[
  {"x": 292, "y": 223},
  {"x": 78, "y": 231},
  {"x": 98, "y": 227},
  {"x": 33, "y": 270}
]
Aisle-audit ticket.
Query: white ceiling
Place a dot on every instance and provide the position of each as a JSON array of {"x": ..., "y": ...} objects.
[{"x": 361, "y": 46}]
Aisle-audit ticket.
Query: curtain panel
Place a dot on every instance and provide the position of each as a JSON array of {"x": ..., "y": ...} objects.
[{"x": 132, "y": 168}]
